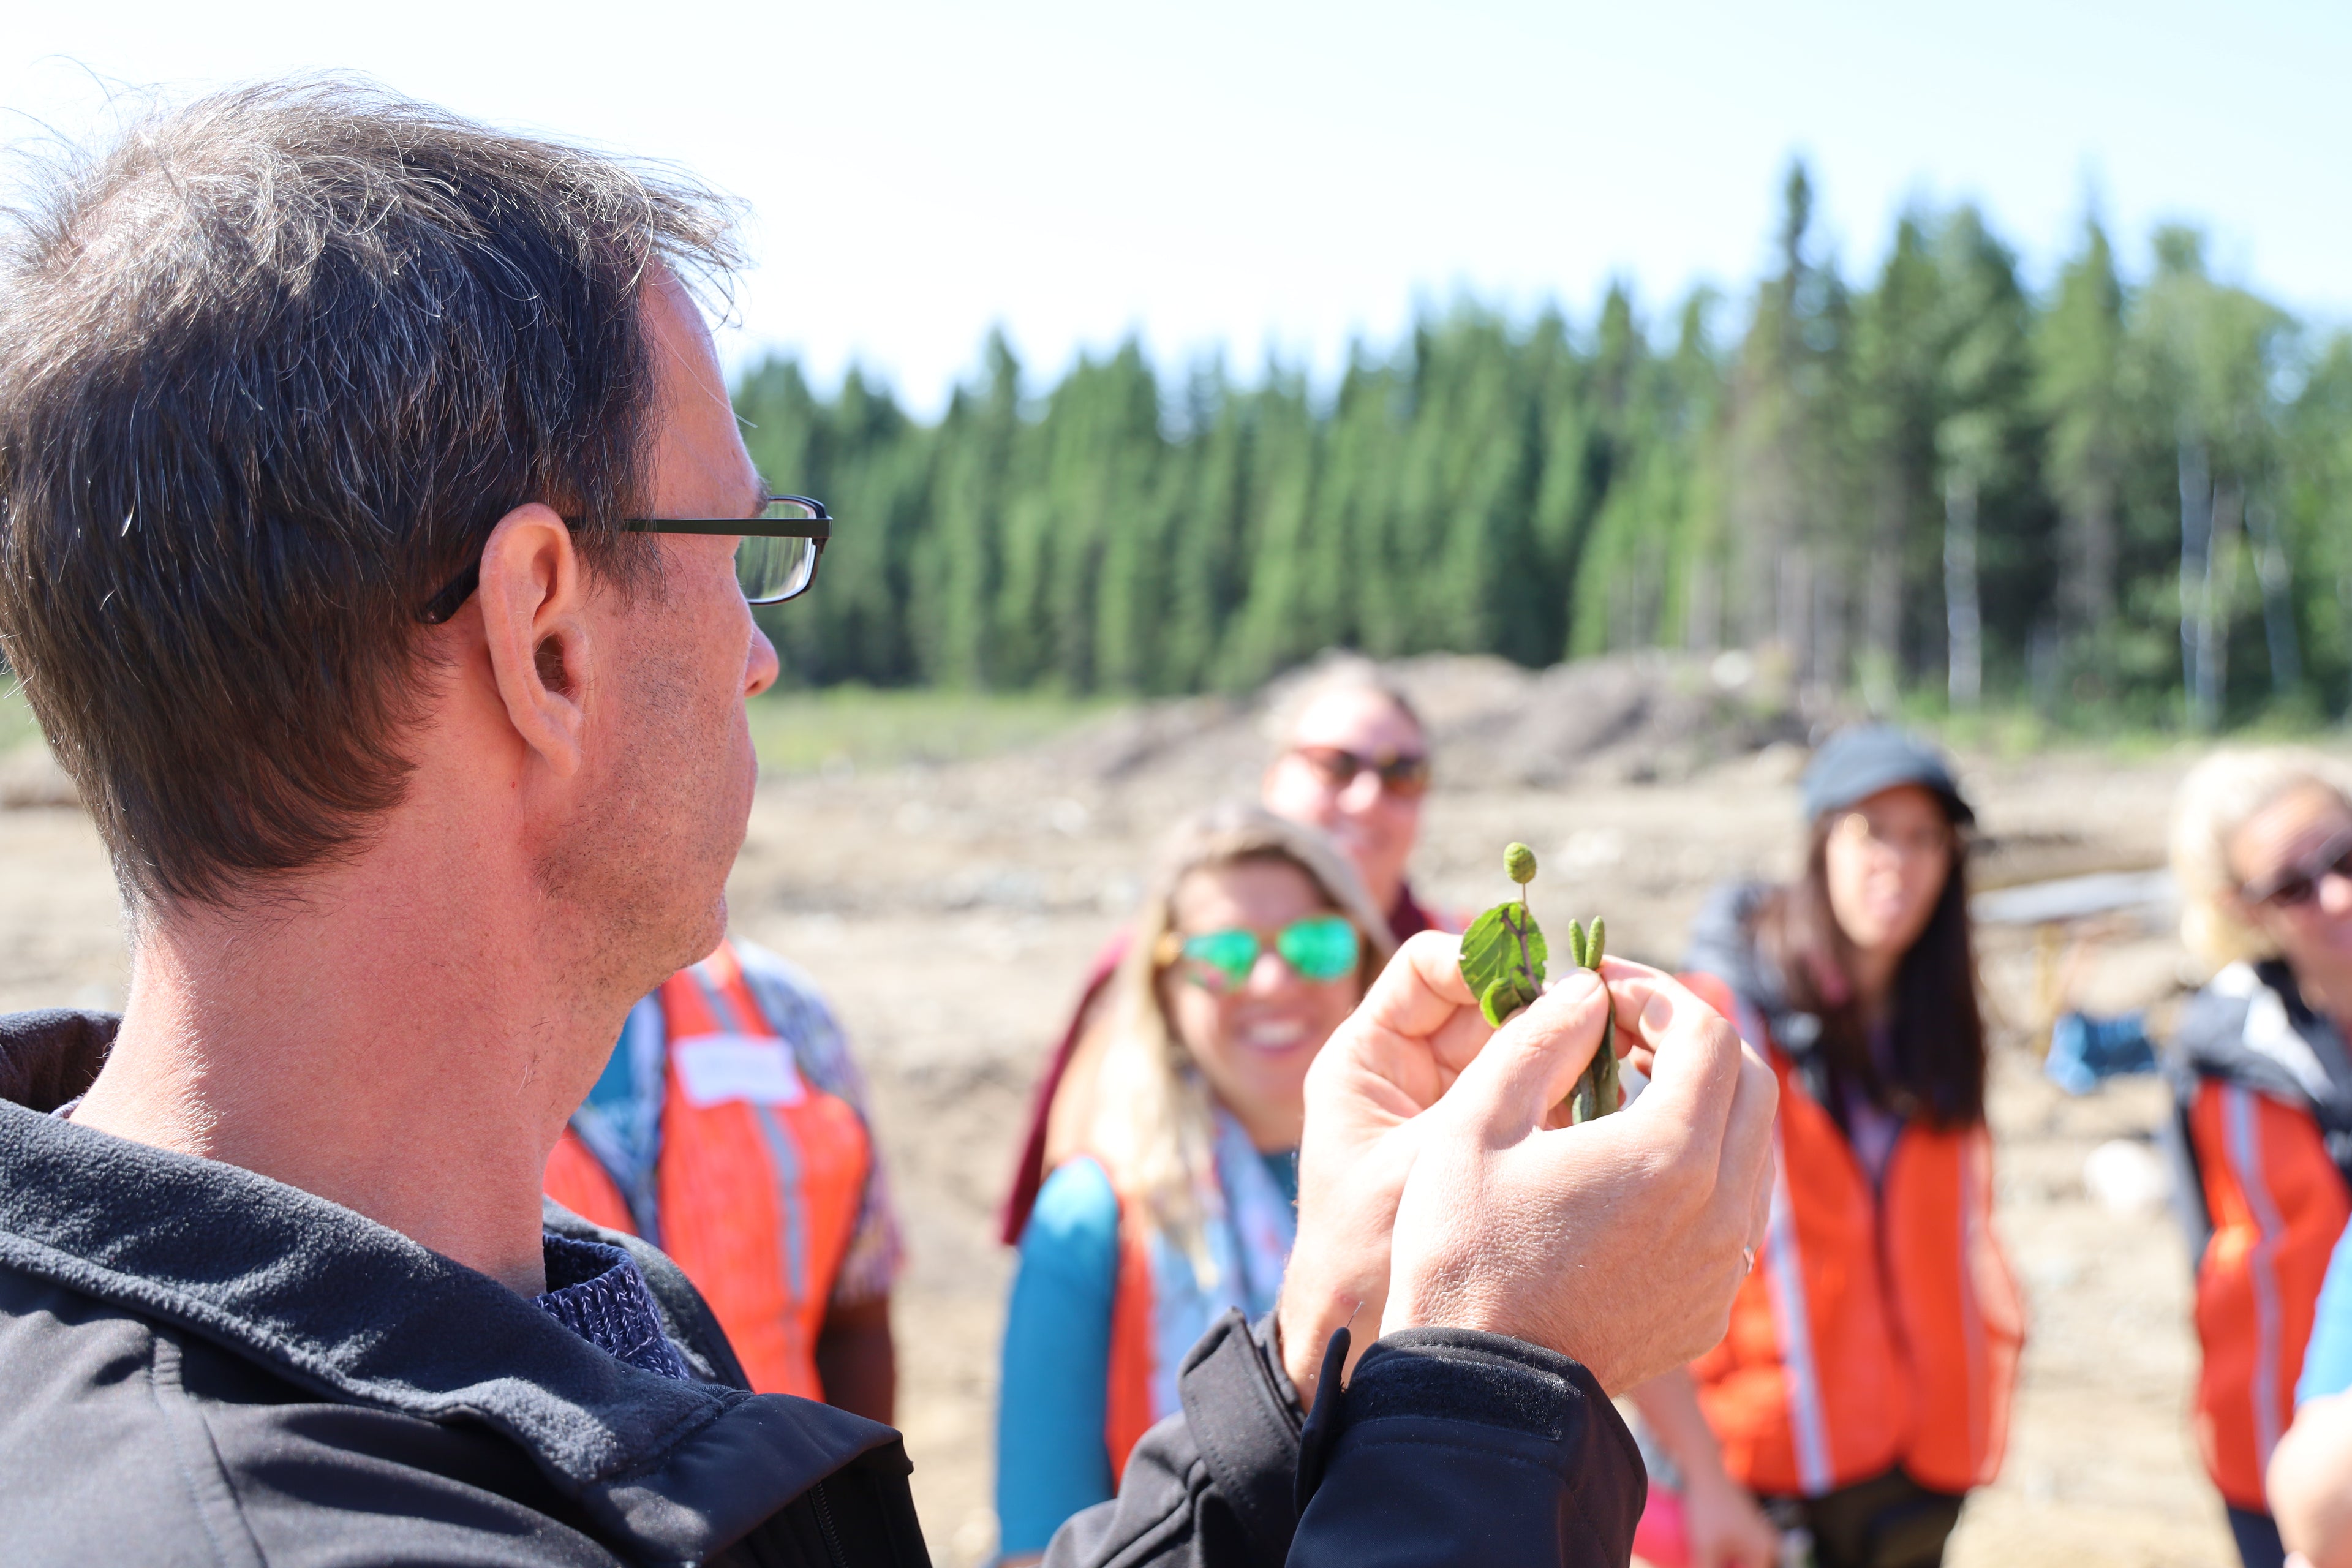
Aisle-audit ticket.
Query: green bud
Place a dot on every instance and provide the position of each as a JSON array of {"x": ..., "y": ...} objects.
[
  {"x": 1519, "y": 864},
  {"x": 1592, "y": 944},
  {"x": 1576, "y": 945}
]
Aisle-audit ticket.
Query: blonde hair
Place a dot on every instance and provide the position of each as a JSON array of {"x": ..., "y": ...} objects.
[
  {"x": 2221, "y": 795},
  {"x": 1151, "y": 1121}
]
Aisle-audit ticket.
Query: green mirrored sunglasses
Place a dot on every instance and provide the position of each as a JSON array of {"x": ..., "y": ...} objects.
[{"x": 1320, "y": 948}]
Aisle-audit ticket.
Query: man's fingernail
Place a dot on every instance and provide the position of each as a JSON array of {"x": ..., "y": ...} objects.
[
  {"x": 1656, "y": 1015},
  {"x": 1577, "y": 986}
]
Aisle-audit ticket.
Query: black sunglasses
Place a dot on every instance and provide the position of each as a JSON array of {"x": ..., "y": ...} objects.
[
  {"x": 2298, "y": 885},
  {"x": 777, "y": 560},
  {"x": 1405, "y": 775}
]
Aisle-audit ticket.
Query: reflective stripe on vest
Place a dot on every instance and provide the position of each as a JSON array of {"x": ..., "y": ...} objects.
[
  {"x": 760, "y": 1191},
  {"x": 2278, "y": 1204},
  {"x": 1784, "y": 1271},
  {"x": 1881, "y": 1326},
  {"x": 2242, "y": 1138}
]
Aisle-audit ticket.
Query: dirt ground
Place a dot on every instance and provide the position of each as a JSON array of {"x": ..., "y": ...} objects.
[{"x": 1003, "y": 874}]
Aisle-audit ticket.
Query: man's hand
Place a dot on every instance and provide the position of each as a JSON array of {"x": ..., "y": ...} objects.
[
  {"x": 1621, "y": 1242},
  {"x": 1414, "y": 1031}
]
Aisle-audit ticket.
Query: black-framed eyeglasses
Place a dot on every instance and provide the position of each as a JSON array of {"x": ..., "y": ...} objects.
[{"x": 777, "y": 560}]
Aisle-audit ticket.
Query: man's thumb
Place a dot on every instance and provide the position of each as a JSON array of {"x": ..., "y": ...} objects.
[{"x": 1533, "y": 1060}]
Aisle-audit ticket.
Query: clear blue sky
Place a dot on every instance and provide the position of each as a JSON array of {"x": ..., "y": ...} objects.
[{"x": 1259, "y": 174}]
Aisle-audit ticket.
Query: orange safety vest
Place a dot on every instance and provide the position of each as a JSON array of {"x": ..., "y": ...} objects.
[
  {"x": 1128, "y": 1411},
  {"x": 1879, "y": 1327},
  {"x": 758, "y": 1197},
  {"x": 2277, "y": 1203}
]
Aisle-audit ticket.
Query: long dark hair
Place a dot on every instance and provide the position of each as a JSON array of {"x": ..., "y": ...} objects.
[{"x": 1937, "y": 1030}]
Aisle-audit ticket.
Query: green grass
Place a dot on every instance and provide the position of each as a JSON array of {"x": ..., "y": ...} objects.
[
  {"x": 862, "y": 727},
  {"x": 807, "y": 731},
  {"x": 2011, "y": 729}
]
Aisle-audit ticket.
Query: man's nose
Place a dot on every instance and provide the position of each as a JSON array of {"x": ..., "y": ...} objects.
[
  {"x": 761, "y": 668},
  {"x": 1363, "y": 792},
  {"x": 2336, "y": 894}
]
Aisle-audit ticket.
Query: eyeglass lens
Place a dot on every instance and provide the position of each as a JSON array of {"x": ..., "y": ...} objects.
[
  {"x": 770, "y": 569},
  {"x": 2301, "y": 885},
  {"x": 1400, "y": 775},
  {"x": 1319, "y": 947}
]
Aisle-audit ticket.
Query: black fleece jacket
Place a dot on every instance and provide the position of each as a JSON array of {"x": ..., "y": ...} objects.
[{"x": 202, "y": 1366}]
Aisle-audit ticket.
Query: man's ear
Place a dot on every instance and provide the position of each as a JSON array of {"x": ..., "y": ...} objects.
[{"x": 533, "y": 600}]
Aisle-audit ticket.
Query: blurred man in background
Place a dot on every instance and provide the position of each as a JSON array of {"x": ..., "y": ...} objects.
[{"x": 1353, "y": 759}]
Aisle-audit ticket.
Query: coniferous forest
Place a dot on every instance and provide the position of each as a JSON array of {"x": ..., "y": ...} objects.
[{"x": 2125, "y": 497}]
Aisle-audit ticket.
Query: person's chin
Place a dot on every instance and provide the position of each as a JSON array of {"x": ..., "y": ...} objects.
[{"x": 1887, "y": 925}]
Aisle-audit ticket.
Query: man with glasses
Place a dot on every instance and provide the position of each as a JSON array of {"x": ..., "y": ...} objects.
[
  {"x": 1353, "y": 759},
  {"x": 277, "y": 371}
]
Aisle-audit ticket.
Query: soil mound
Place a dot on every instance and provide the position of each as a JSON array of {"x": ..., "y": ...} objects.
[{"x": 1629, "y": 718}]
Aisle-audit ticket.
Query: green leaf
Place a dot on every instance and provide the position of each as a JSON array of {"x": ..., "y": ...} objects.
[
  {"x": 1504, "y": 944},
  {"x": 1505, "y": 997}
]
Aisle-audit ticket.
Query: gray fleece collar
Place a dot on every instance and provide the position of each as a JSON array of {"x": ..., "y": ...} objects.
[{"x": 356, "y": 1311}]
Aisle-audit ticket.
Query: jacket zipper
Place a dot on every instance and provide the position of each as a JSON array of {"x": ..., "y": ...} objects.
[{"x": 824, "y": 1523}]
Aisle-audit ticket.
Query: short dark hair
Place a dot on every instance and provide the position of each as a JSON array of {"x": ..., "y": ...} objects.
[{"x": 271, "y": 367}]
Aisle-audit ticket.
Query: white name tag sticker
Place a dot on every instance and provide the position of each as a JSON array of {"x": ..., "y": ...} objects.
[{"x": 715, "y": 1069}]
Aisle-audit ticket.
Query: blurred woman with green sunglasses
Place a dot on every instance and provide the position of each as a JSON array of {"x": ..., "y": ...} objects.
[{"x": 1257, "y": 941}]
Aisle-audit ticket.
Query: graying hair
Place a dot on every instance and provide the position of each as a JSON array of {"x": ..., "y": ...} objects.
[
  {"x": 271, "y": 366},
  {"x": 1329, "y": 676}
]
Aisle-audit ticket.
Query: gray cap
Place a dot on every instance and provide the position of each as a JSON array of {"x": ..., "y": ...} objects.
[{"x": 1857, "y": 762}]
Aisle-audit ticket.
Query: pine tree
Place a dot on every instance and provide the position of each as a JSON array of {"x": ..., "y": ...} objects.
[
  {"x": 1790, "y": 479},
  {"x": 957, "y": 580},
  {"x": 1981, "y": 490},
  {"x": 1900, "y": 329},
  {"x": 2081, "y": 391},
  {"x": 2000, "y": 567},
  {"x": 2214, "y": 351}
]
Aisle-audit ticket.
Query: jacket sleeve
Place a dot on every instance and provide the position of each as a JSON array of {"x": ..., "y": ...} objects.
[
  {"x": 1450, "y": 1446},
  {"x": 1211, "y": 1487},
  {"x": 1456, "y": 1447}
]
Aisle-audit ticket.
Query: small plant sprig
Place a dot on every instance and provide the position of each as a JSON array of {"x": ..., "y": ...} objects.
[{"x": 1503, "y": 958}]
